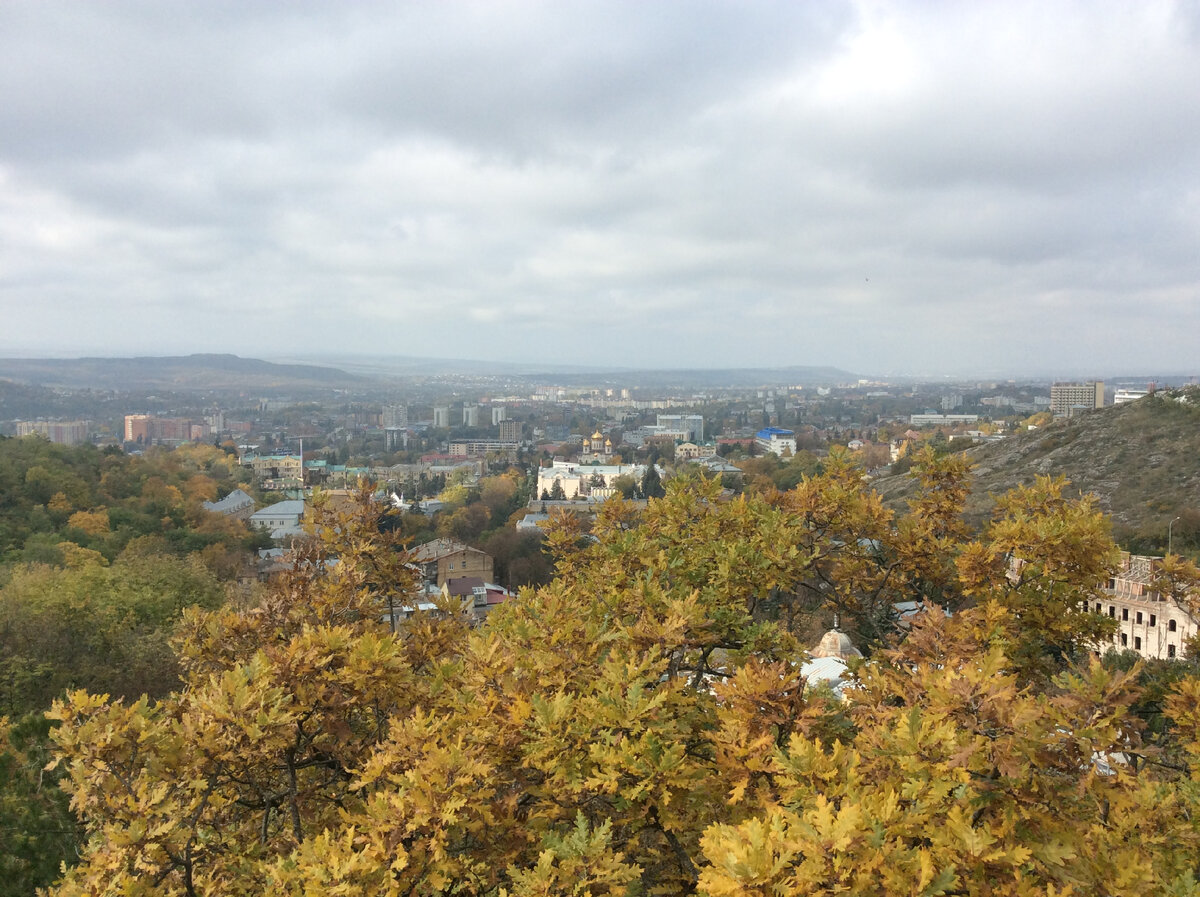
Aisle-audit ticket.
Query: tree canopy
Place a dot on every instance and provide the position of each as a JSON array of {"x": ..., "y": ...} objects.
[{"x": 642, "y": 724}]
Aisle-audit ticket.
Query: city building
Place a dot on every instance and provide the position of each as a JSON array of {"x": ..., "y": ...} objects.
[
  {"x": 1067, "y": 396},
  {"x": 691, "y": 426},
  {"x": 478, "y": 448},
  {"x": 596, "y": 449},
  {"x": 441, "y": 416},
  {"x": 147, "y": 429},
  {"x": 394, "y": 417},
  {"x": 274, "y": 467},
  {"x": 499, "y": 413},
  {"x": 1153, "y": 625},
  {"x": 475, "y": 595},
  {"x": 1124, "y": 396},
  {"x": 932, "y": 420},
  {"x": 60, "y": 432},
  {"x": 281, "y": 519},
  {"x": 776, "y": 440},
  {"x": 470, "y": 415},
  {"x": 510, "y": 430},
  {"x": 444, "y": 559},
  {"x": 579, "y": 481},
  {"x": 237, "y": 504}
]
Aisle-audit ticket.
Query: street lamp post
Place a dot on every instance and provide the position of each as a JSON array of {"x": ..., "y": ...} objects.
[{"x": 1169, "y": 526}]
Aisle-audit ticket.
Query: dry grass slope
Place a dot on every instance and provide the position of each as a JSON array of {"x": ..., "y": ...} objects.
[{"x": 1141, "y": 461}]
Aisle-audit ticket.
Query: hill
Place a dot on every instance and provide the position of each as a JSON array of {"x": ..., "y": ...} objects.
[
  {"x": 581, "y": 375},
  {"x": 175, "y": 373},
  {"x": 1141, "y": 461}
]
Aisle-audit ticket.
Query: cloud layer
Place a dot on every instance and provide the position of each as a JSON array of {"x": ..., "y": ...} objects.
[{"x": 889, "y": 188}]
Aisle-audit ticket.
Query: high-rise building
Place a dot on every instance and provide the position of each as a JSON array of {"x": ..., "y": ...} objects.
[
  {"x": 510, "y": 430},
  {"x": 499, "y": 413},
  {"x": 150, "y": 430},
  {"x": 470, "y": 416},
  {"x": 137, "y": 428},
  {"x": 1065, "y": 396},
  {"x": 62, "y": 432},
  {"x": 441, "y": 416},
  {"x": 394, "y": 416}
]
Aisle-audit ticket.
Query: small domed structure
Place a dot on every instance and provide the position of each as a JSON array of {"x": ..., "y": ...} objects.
[
  {"x": 835, "y": 643},
  {"x": 827, "y": 661}
]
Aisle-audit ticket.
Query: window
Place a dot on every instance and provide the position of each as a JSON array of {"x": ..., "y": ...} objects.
[
  {"x": 1170, "y": 650},
  {"x": 1137, "y": 643},
  {"x": 1098, "y": 607},
  {"x": 1139, "y": 616},
  {"x": 1125, "y": 614},
  {"x": 1153, "y": 620},
  {"x": 1124, "y": 640},
  {"x": 1170, "y": 626},
  {"x": 1112, "y": 611}
]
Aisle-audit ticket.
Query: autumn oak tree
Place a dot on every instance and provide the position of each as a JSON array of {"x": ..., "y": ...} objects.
[{"x": 641, "y": 724}]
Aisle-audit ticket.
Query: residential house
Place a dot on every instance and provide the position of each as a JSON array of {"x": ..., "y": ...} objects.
[
  {"x": 282, "y": 519},
  {"x": 475, "y": 594},
  {"x": 237, "y": 504},
  {"x": 444, "y": 559}
]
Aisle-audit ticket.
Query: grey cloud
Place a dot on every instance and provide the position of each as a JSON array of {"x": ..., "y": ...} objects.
[{"x": 849, "y": 183}]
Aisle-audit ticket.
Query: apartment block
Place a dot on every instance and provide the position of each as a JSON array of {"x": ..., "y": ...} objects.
[
  {"x": 1065, "y": 396},
  {"x": 510, "y": 430},
  {"x": 61, "y": 432}
]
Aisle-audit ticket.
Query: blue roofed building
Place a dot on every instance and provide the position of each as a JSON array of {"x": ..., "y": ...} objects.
[{"x": 776, "y": 440}]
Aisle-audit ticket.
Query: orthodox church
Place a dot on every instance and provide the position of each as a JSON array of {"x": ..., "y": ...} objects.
[{"x": 596, "y": 450}]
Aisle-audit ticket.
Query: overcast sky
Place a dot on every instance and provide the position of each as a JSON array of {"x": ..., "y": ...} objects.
[{"x": 886, "y": 187}]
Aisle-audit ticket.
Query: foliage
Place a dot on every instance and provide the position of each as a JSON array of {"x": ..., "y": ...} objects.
[
  {"x": 102, "y": 500},
  {"x": 95, "y": 625},
  {"x": 641, "y": 724},
  {"x": 37, "y": 830}
]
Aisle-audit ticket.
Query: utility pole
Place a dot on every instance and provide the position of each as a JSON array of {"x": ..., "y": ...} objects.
[{"x": 1169, "y": 526}]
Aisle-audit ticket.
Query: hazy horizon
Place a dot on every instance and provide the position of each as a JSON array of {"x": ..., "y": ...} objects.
[{"x": 397, "y": 365}]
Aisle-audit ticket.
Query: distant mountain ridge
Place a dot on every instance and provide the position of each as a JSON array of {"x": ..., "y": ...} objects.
[
  {"x": 184, "y": 372},
  {"x": 571, "y": 375},
  {"x": 1140, "y": 460}
]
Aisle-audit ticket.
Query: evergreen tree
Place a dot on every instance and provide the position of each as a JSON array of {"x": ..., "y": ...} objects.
[{"x": 652, "y": 486}]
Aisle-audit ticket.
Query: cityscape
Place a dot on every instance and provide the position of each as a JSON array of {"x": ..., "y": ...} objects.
[{"x": 600, "y": 449}]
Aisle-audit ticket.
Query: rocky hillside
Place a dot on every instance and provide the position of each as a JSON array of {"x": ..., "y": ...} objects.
[{"x": 1140, "y": 460}]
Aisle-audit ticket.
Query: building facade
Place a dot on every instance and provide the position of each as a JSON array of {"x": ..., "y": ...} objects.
[
  {"x": 930, "y": 420},
  {"x": 580, "y": 481},
  {"x": 147, "y": 429},
  {"x": 444, "y": 559},
  {"x": 1153, "y": 625},
  {"x": 1065, "y": 396},
  {"x": 689, "y": 426},
  {"x": 510, "y": 430},
  {"x": 394, "y": 417},
  {"x": 479, "y": 448},
  {"x": 60, "y": 432},
  {"x": 776, "y": 440}
]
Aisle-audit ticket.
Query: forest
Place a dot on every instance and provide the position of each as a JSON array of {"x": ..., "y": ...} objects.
[{"x": 638, "y": 725}]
